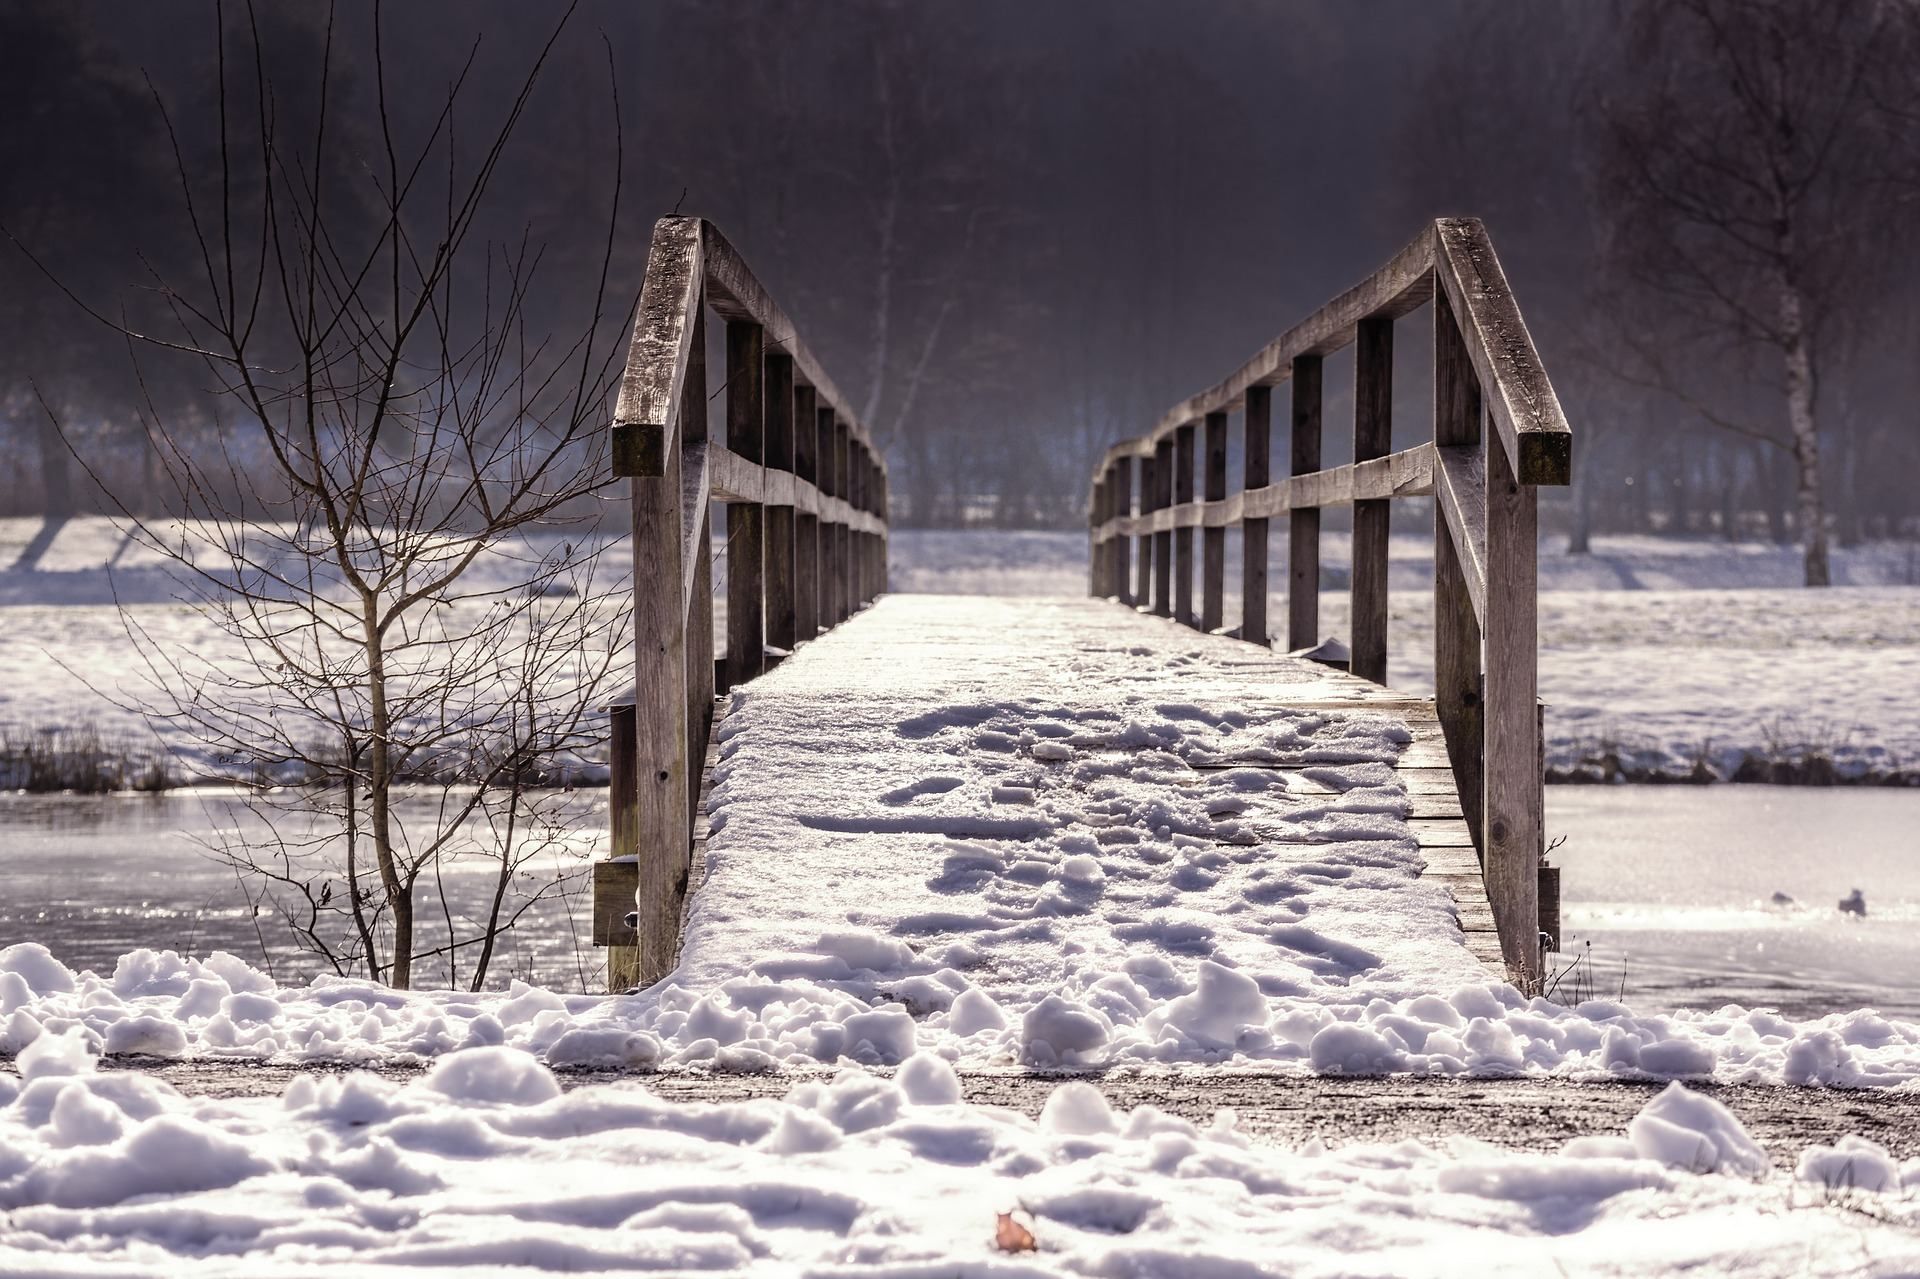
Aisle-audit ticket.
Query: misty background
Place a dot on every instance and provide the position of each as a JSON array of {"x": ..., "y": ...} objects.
[{"x": 1015, "y": 233}]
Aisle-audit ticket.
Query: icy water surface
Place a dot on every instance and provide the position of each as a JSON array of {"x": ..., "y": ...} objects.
[
  {"x": 1674, "y": 885},
  {"x": 94, "y": 877}
]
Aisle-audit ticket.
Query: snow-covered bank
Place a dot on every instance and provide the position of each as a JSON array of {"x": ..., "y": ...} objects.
[
  {"x": 1030, "y": 833},
  {"x": 1660, "y": 658},
  {"x": 485, "y": 1163},
  {"x": 161, "y": 1004}
]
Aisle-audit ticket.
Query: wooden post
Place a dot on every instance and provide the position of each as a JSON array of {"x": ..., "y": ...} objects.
[
  {"x": 1183, "y": 536},
  {"x": 1213, "y": 550},
  {"x": 623, "y": 824},
  {"x": 1456, "y": 629},
  {"x": 782, "y": 621},
  {"x": 884, "y": 509},
  {"x": 1122, "y": 507},
  {"x": 746, "y": 587},
  {"x": 1513, "y": 782},
  {"x": 843, "y": 604},
  {"x": 1372, "y": 437},
  {"x": 1257, "y": 449},
  {"x": 1163, "y": 541},
  {"x": 1303, "y": 529},
  {"x": 806, "y": 535},
  {"x": 1097, "y": 549},
  {"x": 663, "y": 657},
  {"x": 1143, "y": 573}
]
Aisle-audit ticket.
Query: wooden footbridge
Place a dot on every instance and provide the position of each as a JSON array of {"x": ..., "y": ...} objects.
[{"x": 806, "y": 509}]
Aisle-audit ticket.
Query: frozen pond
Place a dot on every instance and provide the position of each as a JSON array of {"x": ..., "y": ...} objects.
[
  {"x": 92, "y": 878},
  {"x": 1674, "y": 886}
]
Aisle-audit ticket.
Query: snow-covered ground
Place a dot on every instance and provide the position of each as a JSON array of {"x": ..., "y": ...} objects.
[
  {"x": 1657, "y": 655},
  {"x": 486, "y": 1164},
  {"x": 1017, "y": 833}
]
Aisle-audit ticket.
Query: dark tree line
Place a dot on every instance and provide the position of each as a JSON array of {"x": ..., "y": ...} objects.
[{"x": 1015, "y": 233}]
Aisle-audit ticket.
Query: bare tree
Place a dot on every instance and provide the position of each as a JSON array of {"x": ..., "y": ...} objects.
[
  {"x": 1742, "y": 147},
  {"x": 394, "y": 536}
]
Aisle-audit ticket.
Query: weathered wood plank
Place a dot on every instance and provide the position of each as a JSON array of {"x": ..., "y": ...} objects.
[
  {"x": 1257, "y": 453},
  {"x": 1183, "y": 532},
  {"x": 1525, "y": 411},
  {"x": 1460, "y": 490},
  {"x": 1456, "y": 640},
  {"x": 746, "y": 435},
  {"x": 806, "y": 533},
  {"x": 1163, "y": 536},
  {"x": 1213, "y": 556},
  {"x": 1123, "y": 475},
  {"x": 1303, "y": 531},
  {"x": 1512, "y": 816},
  {"x": 664, "y": 330},
  {"x": 1372, "y": 438},
  {"x": 1143, "y": 537},
  {"x": 661, "y": 610},
  {"x": 781, "y": 551}
]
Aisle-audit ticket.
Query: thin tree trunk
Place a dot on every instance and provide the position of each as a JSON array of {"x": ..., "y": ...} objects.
[
  {"x": 379, "y": 804},
  {"x": 1806, "y": 435}
]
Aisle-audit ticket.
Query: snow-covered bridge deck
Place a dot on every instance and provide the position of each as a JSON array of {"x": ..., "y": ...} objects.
[{"x": 1080, "y": 815}]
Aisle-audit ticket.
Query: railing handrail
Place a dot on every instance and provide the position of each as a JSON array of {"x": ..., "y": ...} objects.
[
  {"x": 1485, "y": 526},
  {"x": 806, "y": 494}
]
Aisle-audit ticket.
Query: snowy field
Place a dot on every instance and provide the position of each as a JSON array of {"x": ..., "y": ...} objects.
[
  {"x": 1658, "y": 657},
  {"x": 485, "y": 1164}
]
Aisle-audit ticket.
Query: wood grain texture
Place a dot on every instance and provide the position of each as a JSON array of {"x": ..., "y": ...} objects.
[
  {"x": 1520, "y": 399},
  {"x": 1456, "y": 640},
  {"x": 645, "y": 416},
  {"x": 1511, "y": 815},
  {"x": 746, "y": 436},
  {"x": 660, "y": 623},
  {"x": 1183, "y": 447},
  {"x": 1303, "y": 528},
  {"x": 1163, "y": 535},
  {"x": 1257, "y": 455},
  {"x": 1213, "y": 549},
  {"x": 1372, "y": 438}
]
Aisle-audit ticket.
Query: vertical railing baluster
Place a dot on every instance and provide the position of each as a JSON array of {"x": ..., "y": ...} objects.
[
  {"x": 1372, "y": 522},
  {"x": 1143, "y": 544},
  {"x": 806, "y": 534},
  {"x": 1163, "y": 540},
  {"x": 1257, "y": 450},
  {"x": 1122, "y": 507},
  {"x": 1456, "y": 630},
  {"x": 1513, "y": 816},
  {"x": 1303, "y": 524},
  {"x": 842, "y": 533},
  {"x": 1213, "y": 547},
  {"x": 1183, "y": 535},
  {"x": 746, "y": 587},
  {"x": 782, "y": 624}
]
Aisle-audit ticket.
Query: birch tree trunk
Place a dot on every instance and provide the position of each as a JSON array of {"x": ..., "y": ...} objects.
[{"x": 1806, "y": 435}]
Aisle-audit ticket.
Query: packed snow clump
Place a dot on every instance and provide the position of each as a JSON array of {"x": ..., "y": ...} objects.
[{"x": 487, "y": 1163}]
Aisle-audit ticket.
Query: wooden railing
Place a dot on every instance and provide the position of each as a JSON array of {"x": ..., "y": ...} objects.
[
  {"x": 806, "y": 494},
  {"x": 1144, "y": 511}
]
